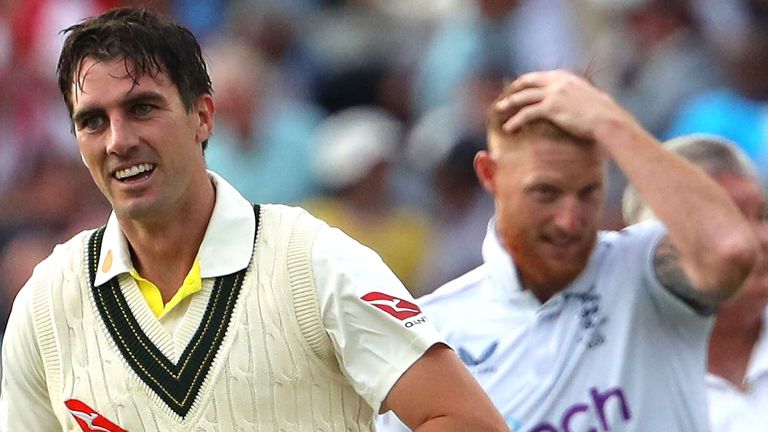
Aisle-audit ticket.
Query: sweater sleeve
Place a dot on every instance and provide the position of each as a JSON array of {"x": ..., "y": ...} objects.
[{"x": 24, "y": 400}]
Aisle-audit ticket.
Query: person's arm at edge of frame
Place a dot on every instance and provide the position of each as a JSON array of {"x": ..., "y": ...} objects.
[
  {"x": 437, "y": 393},
  {"x": 711, "y": 248},
  {"x": 24, "y": 401}
]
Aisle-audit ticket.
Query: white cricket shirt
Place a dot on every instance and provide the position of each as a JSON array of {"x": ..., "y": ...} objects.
[
  {"x": 734, "y": 410},
  {"x": 614, "y": 351}
]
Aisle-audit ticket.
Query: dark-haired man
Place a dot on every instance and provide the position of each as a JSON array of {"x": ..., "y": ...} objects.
[{"x": 193, "y": 309}]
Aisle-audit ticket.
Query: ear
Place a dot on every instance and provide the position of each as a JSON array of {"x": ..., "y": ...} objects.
[
  {"x": 485, "y": 168},
  {"x": 205, "y": 110}
]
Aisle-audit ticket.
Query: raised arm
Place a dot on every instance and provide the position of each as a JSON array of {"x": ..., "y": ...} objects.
[
  {"x": 437, "y": 393},
  {"x": 710, "y": 248}
]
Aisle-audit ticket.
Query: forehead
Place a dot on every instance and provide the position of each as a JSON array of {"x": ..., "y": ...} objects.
[
  {"x": 556, "y": 158},
  {"x": 103, "y": 80}
]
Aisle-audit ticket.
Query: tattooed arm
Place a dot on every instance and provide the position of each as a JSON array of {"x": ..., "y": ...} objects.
[{"x": 669, "y": 271}]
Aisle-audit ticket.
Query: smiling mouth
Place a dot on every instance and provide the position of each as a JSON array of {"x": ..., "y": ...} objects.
[
  {"x": 560, "y": 242},
  {"x": 135, "y": 172}
]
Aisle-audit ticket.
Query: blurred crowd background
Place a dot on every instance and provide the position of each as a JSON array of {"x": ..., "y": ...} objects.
[{"x": 368, "y": 112}]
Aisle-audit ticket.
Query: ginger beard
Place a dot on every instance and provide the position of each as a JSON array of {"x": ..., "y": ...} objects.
[{"x": 548, "y": 198}]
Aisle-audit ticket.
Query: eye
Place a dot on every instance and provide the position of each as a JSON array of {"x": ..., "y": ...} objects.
[
  {"x": 142, "y": 109},
  {"x": 93, "y": 122},
  {"x": 590, "y": 192},
  {"x": 544, "y": 193}
]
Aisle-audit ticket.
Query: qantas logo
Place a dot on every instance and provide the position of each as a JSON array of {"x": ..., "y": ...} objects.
[
  {"x": 88, "y": 419},
  {"x": 394, "y": 306}
]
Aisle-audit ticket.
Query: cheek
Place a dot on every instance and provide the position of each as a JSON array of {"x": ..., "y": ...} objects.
[{"x": 91, "y": 156}]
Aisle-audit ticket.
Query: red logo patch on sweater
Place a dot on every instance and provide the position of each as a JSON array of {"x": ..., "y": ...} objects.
[
  {"x": 88, "y": 419},
  {"x": 397, "y": 307}
]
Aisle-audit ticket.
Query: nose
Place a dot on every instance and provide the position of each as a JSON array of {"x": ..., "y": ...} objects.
[
  {"x": 569, "y": 216},
  {"x": 122, "y": 137}
]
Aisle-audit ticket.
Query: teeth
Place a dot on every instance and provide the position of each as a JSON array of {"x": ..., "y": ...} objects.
[{"x": 134, "y": 170}]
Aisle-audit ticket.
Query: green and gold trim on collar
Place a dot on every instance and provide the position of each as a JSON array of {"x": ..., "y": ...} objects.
[{"x": 176, "y": 384}]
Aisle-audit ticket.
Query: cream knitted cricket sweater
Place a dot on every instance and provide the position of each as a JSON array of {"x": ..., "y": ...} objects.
[{"x": 250, "y": 354}]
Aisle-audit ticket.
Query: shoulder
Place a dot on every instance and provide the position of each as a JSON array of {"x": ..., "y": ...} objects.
[
  {"x": 66, "y": 261},
  {"x": 283, "y": 210},
  {"x": 65, "y": 258},
  {"x": 273, "y": 216},
  {"x": 641, "y": 237}
]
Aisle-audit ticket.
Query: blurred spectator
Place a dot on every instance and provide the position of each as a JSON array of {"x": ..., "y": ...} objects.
[
  {"x": 443, "y": 144},
  {"x": 50, "y": 200},
  {"x": 668, "y": 63},
  {"x": 278, "y": 32},
  {"x": 32, "y": 117},
  {"x": 739, "y": 110},
  {"x": 355, "y": 149},
  {"x": 17, "y": 259},
  {"x": 356, "y": 34},
  {"x": 726, "y": 23},
  {"x": 659, "y": 62},
  {"x": 512, "y": 37},
  {"x": 462, "y": 211},
  {"x": 50, "y": 195},
  {"x": 203, "y": 17},
  {"x": 261, "y": 141}
]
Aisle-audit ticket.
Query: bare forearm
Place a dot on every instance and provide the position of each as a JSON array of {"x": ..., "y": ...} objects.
[{"x": 716, "y": 245}]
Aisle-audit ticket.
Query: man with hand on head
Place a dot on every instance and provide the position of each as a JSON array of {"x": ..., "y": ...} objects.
[
  {"x": 571, "y": 329},
  {"x": 193, "y": 309}
]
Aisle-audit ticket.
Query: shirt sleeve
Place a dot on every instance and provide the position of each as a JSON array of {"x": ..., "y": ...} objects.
[
  {"x": 376, "y": 327},
  {"x": 24, "y": 401},
  {"x": 676, "y": 315}
]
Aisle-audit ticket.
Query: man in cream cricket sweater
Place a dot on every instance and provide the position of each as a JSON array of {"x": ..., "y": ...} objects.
[{"x": 192, "y": 309}]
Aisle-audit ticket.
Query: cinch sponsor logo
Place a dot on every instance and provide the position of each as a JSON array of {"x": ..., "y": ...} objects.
[
  {"x": 88, "y": 419},
  {"x": 600, "y": 404},
  {"x": 397, "y": 307}
]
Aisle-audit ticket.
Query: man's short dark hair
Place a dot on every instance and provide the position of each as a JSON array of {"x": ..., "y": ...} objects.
[{"x": 148, "y": 44}]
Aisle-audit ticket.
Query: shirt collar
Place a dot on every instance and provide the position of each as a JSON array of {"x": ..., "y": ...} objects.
[
  {"x": 504, "y": 274},
  {"x": 223, "y": 250},
  {"x": 501, "y": 267}
]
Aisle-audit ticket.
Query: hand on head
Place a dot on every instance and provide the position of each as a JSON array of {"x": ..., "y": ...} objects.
[{"x": 562, "y": 97}]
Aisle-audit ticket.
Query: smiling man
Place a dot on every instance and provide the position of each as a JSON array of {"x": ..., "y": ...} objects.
[
  {"x": 572, "y": 329},
  {"x": 193, "y": 309}
]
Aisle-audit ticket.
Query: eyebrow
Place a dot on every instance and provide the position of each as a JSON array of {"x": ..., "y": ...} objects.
[{"x": 132, "y": 99}]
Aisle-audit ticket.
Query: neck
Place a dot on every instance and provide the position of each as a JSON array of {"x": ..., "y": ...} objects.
[
  {"x": 542, "y": 291},
  {"x": 733, "y": 339},
  {"x": 164, "y": 249}
]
